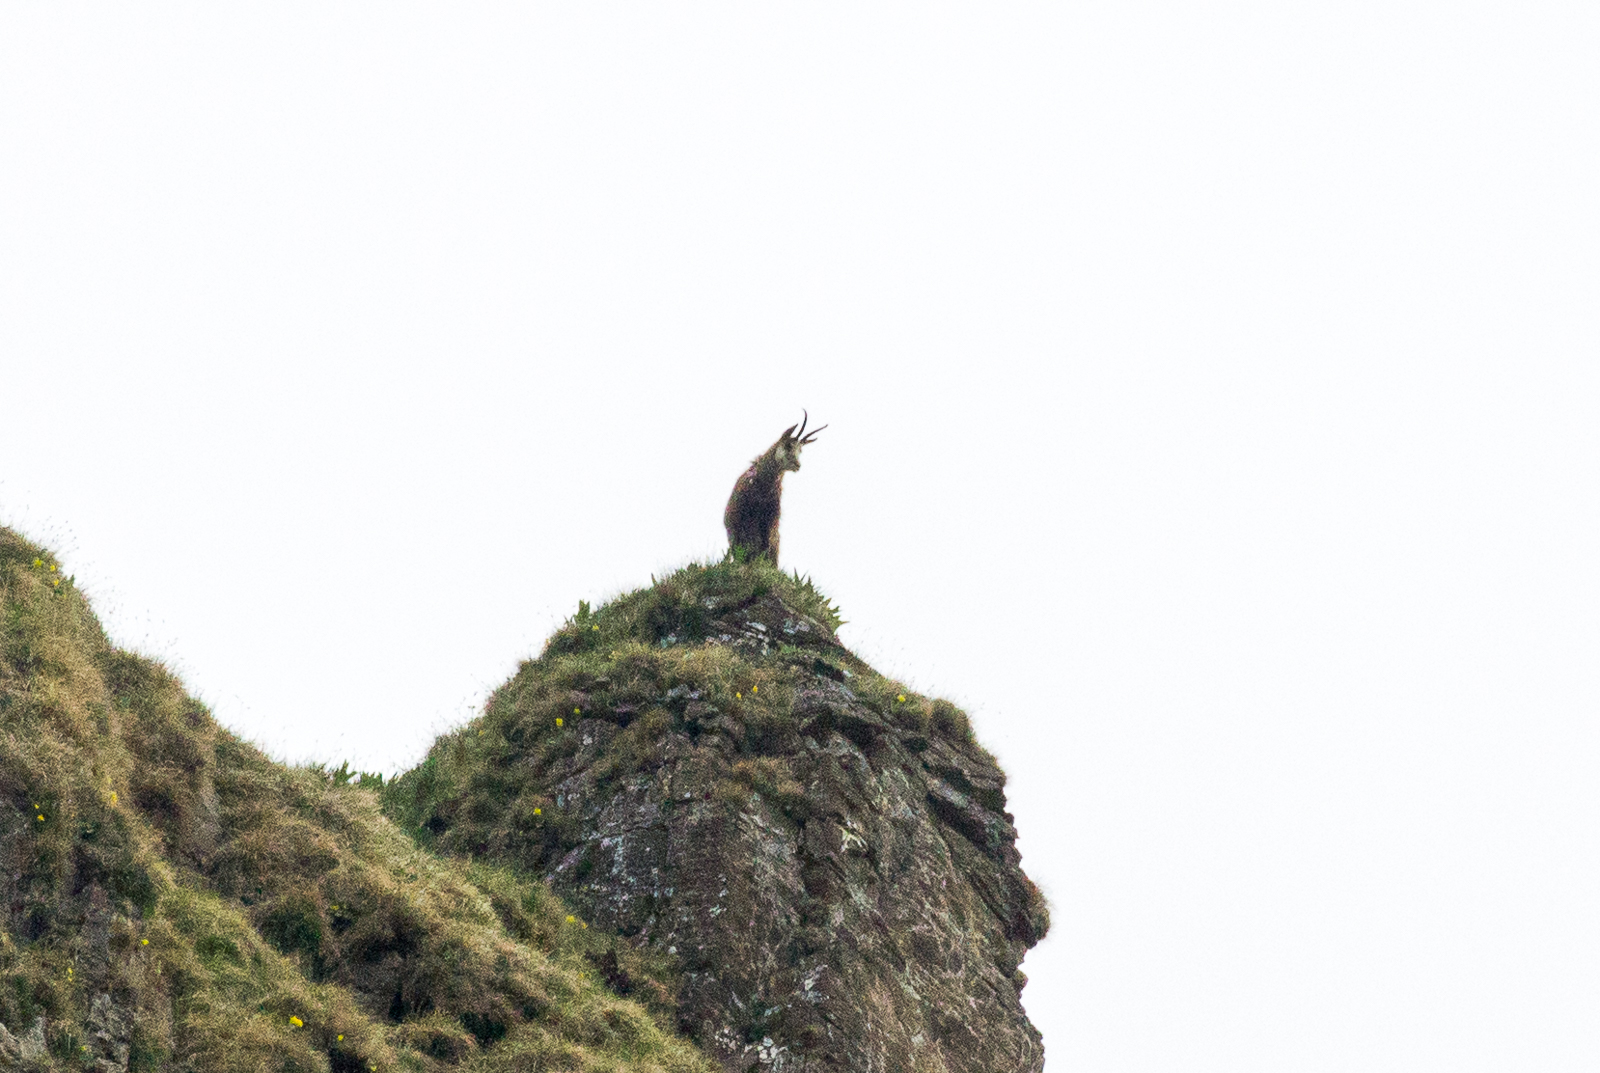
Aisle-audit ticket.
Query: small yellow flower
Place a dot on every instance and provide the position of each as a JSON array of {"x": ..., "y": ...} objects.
[
  {"x": 41, "y": 817},
  {"x": 52, "y": 568},
  {"x": 597, "y": 629},
  {"x": 559, "y": 722},
  {"x": 586, "y": 923},
  {"x": 113, "y": 797},
  {"x": 340, "y": 1039},
  {"x": 144, "y": 942},
  {"x": 755, "y": 689},
  {"x": 901, "y": 698},
  {"x": 738, "y": 696},
  {"x": 57, "y": 582},
  {"x": 538, "y": 812},
  {"x": 572, "y": 920},
  {"x": 577, "y": 711},
  {"x": 297, "y": 1022},
  {"x": 38, "y": 562}
]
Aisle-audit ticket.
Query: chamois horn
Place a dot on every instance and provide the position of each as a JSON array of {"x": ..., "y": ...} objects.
[{"x": 802, "y": 437}]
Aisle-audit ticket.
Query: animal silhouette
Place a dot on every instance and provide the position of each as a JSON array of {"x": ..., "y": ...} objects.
[{"x": 751, "y": 517}]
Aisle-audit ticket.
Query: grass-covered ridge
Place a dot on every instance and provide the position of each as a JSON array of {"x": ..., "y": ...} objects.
[
  {"x": 172, "y": 898},
  {"x": 645, "y": 662},
  {"x": 706, "y": 770}
]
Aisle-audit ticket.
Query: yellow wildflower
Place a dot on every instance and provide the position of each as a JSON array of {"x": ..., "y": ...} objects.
[
  {"x": 577, "y": 711},
  {"x": 297, "y": 1022},
  {"x": 57, "y": 581},
  {"x": 559, "y": 722},
  {"x": 144, "y": 942},
  {"x": 738, "y": 696},
  {"x": 572, "y": 920},
  {"x": 340, "y": 1039},
  {"x": 901, "y": 698},
  {"x": 38, "y": 562},
  {"x": 597, "y": 629},
  {"x": 755, "y": 689},
  {"x": 41, "y": 817},
  {"x": 52, "y": 568},
  {"x": 113, "y": 797},
  {"x": 538, "y": 812}
]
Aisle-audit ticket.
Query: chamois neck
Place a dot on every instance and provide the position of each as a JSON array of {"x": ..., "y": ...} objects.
[{"x": 769, "y": 469}]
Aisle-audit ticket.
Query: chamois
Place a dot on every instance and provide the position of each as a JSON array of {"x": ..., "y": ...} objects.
[{"x": 752, "y": 514}]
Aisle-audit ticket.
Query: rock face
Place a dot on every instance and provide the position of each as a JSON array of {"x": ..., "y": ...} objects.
[{"x": 826, "y": 858}]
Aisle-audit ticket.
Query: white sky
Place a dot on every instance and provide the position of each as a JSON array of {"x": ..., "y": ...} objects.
[{"x": 1212, "y": 394}]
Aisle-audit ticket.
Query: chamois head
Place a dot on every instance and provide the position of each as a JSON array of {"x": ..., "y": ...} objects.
[{"x": 787, "y": 450}]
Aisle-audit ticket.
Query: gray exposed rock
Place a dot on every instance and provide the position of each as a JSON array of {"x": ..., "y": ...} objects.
[
  {"x": 110, "y": 1033},
  {"x": 867, "y": 916},
  {"x": 10, "y": 1047},
  {"x": 30, "y": 1046},
  {"x": 33, "y": 1042}
]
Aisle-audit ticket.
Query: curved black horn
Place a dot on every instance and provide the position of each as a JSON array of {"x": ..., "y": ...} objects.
[
  {"x": 804, "y": 417},
  {"x": 813, "y": 435}
]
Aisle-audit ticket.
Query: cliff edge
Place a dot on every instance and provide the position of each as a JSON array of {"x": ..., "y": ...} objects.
[{"x": 823, "y": 856}]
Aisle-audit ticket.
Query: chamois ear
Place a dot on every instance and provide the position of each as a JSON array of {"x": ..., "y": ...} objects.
[{"x": 788, "y": 434}]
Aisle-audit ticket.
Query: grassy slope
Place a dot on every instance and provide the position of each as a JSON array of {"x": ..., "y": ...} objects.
[{"x": 244, "y": 915}]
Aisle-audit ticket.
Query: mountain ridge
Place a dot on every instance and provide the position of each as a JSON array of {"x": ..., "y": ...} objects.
[
  {"x": 172, "y": 898},
  {"x": 705, "y": 750}
]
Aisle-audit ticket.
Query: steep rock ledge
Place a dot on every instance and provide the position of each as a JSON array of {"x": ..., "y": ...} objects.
[{"x": 823, "y": 857}]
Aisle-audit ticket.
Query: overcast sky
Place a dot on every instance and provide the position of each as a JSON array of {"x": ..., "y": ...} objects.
[{"x": 1211, "y": 394}]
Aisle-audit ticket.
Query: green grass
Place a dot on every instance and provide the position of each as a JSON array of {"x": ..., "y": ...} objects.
[
  {"x": 634, "y": 663},
  {"x": 247, "y": 915}
]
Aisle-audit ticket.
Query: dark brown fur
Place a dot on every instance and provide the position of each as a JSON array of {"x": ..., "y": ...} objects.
[{"x": 751, "y": 517}]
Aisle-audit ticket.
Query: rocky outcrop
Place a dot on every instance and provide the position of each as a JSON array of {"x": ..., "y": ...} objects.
[{"x": 826, "y": 859}]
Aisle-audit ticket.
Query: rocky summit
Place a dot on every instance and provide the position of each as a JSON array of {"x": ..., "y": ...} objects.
[{"x": 818, "y": 860}]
